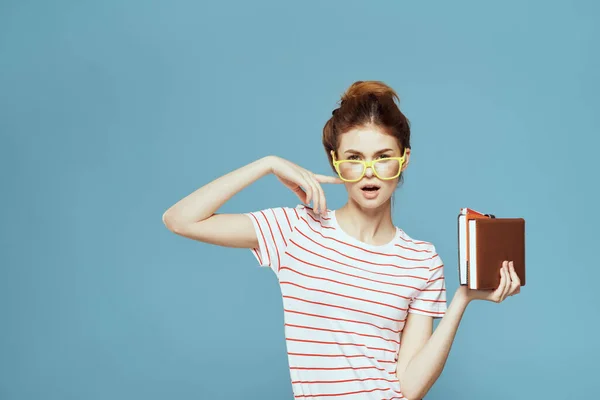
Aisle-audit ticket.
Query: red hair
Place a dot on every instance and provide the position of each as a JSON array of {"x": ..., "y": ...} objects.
[{"x": 367, "y": 103}]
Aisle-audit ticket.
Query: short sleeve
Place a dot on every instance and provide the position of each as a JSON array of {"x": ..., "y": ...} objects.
[
  {"x": 431, "y": 299},
  {"x": 273, "y": 227}
]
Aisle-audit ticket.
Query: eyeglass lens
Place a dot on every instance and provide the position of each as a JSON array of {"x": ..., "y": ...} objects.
[{"x": 383, "y": 168}]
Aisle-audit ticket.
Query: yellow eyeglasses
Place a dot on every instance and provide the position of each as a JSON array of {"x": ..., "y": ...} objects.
[{"x": 383, "y": 168}]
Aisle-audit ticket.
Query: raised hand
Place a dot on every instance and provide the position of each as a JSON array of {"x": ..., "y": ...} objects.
[{"x": 304, "y": 183}]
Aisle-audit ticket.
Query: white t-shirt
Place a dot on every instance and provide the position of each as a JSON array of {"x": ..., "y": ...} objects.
[{"x": 345, "y": 302}]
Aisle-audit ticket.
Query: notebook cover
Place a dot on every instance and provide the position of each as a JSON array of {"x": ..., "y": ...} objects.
[{"x": 499, "y": 239}]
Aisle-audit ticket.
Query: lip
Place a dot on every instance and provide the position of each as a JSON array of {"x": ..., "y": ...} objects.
[
  {"x": 370, "y": 194},
  {"x": 370, "y": 185}
]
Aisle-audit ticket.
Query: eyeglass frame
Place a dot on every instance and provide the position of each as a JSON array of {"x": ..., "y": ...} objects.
[{"x": 367, "y": 164}]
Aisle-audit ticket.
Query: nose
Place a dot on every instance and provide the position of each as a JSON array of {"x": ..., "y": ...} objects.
[{"x": 369, "y": 172}]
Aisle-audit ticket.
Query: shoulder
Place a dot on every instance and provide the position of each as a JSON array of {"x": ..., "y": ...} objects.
[
  {"x": 314, "y": 221},
  {"x": 280, "y": 215},
  {"x": 407, "y": 242},
  {"x": 300, "y": 211},
  {"x": 311, "y": 217},
  {"x": 426, "y": 250},
  {"x": 294, "y": 214}
]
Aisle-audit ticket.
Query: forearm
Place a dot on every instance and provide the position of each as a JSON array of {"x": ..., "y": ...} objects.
[
  {"x": 425, "y": 366},
  {"x": 206, "y": 200}
]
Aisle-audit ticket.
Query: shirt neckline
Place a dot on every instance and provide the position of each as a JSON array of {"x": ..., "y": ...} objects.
[{"x": 351, "y": 239}]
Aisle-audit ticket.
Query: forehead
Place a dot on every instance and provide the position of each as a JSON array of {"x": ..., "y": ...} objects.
[{"x": 367, "y": 140}]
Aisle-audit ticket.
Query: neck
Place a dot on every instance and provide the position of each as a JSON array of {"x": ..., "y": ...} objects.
[{"x": 370, "y": 225}]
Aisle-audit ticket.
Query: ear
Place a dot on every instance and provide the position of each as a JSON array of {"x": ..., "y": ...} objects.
[{"x": 407, "y": 160}]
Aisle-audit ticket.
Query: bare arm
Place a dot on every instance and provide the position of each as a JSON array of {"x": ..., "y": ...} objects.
[
  {"x": 422, "y": 354},
  {"x": 195, "y": 215}
]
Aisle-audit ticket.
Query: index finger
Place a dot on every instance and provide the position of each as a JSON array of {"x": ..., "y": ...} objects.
[{"x": 327, "y": 179}]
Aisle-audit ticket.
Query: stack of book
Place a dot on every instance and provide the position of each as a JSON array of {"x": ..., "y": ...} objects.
[{"x": 484, "y": 243}]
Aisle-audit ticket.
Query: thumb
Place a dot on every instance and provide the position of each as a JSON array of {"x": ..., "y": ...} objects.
[{"x": 327, "y": 179}]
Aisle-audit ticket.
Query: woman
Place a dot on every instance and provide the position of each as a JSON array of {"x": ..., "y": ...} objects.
[{"x": 359, "y": 293}]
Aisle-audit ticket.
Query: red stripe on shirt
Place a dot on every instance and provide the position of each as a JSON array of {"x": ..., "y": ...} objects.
[
  {"x": 263, "y": 237},
  {"x": 279, "y": 227},
  {"x": 397, "y": 342},
  {"x": 412, "y": 249},
  {"x": 342, "y": 319},
  {"x": 347, "y": 274},
  {"x": 358, "y": 247},
  {"x": 343, "y": 295},
  {"x": 343, "y": 394},
  {"x": 274, "y": 242},
  {"x": 436, "y": 268},
  {"x": 352, "y": 258},
  {"x": 343, "y": 308},
  {"x": 337, "y": 368},
  {"x": 427, "y": 311},
  {"x": 319, "y": 222},
  {"x": 339, "y": 344},
  {"x": 344, "y": 283},
  {"x": 346, "y": 380},
  {"x": 287, "y": 218},
  {"x": 257, "y": 255}
]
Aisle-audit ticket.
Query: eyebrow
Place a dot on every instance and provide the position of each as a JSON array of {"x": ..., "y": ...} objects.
[{"x": 352, "y": 151}]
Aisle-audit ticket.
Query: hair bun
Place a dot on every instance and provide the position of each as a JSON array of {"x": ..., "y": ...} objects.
[{"x": 361, "y": 89}]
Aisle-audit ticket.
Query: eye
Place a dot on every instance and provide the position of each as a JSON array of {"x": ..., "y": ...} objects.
[
  {"x": 353, "y": 157},
  {"x": 384, "y": 156}
]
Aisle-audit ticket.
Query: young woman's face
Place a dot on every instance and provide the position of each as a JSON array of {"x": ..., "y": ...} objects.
[{"x": 370, "y": 143}]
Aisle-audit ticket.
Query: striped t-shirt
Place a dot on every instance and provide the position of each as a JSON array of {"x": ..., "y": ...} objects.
[{"x": 345, "y": 302}]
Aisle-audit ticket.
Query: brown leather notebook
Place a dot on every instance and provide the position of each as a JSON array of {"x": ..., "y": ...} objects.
[
  {"x": 492, "y": 241},
  {"x": 487, "y": 243}
]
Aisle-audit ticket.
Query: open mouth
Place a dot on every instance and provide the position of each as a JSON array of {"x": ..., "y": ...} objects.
[{"x": 370, "y": 188}]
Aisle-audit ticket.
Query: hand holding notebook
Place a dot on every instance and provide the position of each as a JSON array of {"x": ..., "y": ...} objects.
[
  {"x": 510, "y": 285},
  {"x": 485, "y": 244}
]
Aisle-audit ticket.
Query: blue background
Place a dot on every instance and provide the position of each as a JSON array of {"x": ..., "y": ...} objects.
[{"x": 112, "y": 111}]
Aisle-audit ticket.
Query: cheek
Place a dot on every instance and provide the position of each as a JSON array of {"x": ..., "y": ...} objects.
[
  {"x": 389, "y": 188},
  {"x": 391, "y": 185},
  {"x": 353, "y": 189}
]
